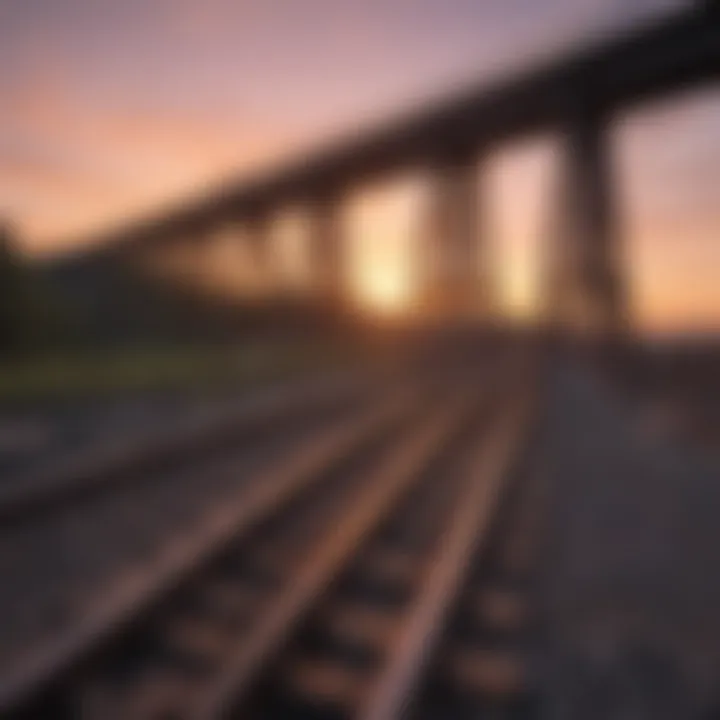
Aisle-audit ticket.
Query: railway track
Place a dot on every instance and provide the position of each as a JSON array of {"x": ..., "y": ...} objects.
[
  {"x": 484, "y": 658},
  {"x": 365, "y": 650},
  {"x": 325, "y": 589},
  {"x": 55, "y": 555},
  {"x": 118, "y": 463}
]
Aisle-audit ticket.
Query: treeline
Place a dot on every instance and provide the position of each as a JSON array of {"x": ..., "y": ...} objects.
[
  {"x": 90, "y": 301},
  {"x": 31, "y": 317}
]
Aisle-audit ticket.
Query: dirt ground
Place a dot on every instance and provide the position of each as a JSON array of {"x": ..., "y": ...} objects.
[{"x": 630, "y": 588}]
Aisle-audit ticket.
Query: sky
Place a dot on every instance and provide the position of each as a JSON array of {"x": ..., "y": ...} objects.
[{"x": 110, "y": 109}]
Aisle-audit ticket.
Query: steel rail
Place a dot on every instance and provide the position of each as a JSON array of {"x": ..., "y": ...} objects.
[
  {"x": 101, "y": 468},
  {"x": 403, "y": 469},
  {"x": 391, "y": 693},
  {"x": 134, "y": 592}
]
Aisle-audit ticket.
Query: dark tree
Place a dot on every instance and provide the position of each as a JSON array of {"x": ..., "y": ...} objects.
[{"x": 13, "y": 312}]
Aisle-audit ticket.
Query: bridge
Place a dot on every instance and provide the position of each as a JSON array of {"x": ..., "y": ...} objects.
[{"x": 576, "y": 97}]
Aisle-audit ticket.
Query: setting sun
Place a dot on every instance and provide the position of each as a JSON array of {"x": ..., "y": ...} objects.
[
  {"x": 383, "y": 289},
  {"x": 382, "y": 243}
]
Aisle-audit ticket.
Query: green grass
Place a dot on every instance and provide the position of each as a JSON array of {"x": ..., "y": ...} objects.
[{"x": 162, "y": 368}]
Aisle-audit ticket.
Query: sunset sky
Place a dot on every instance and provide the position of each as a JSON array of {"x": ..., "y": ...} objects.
[{"x": 112, "y": 108}]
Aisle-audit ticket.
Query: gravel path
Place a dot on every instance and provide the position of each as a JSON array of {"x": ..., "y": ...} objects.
[{"x": 631, "y": 583}]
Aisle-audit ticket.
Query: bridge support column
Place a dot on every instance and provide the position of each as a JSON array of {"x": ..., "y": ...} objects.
[
  {"x": 327, "y": 251},
  {"x": 453, "y": 278},
  {"x": 258, "y": 238},
  {"x": 586, "y": 288}
]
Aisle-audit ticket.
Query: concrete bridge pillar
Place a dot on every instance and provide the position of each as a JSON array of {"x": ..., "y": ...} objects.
[
  {"x": 326, "y": 238},
  {"x": 259, "y": 239},
  {"x": 585, "y": 283},
  {"x": 451, "y": 263}
]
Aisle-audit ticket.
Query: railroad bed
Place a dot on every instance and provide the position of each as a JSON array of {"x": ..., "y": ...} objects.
[{"x": 362, "y": 552}]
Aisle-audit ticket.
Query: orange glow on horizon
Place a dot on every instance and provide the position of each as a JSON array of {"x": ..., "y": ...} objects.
[
  {"x": 383, "y": 291},
  {"x": 382, "y": 245}
]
